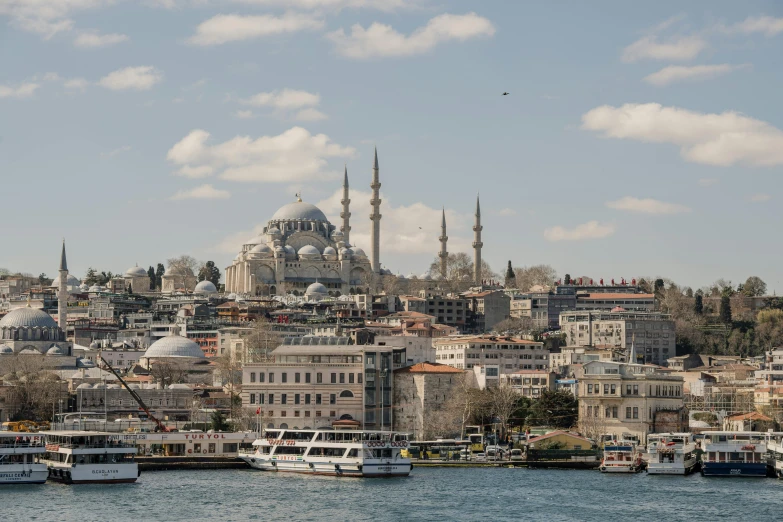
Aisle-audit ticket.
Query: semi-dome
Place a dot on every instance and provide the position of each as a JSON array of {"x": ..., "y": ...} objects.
[
  {"x": 257, "y": 240},
  {"x": 29, "y": 351},
  {"x": 95, "y": 288},
  {"x": 84, "y": 386},
  {"x": 205, "y": 287},
  {"x": 55, "y": 350},
  {"x": 136, "y": 271},
  {"x": 261, "y": 249},
  {"x": 5, "y": 349},
  {"x": 274, "y": 231},
  {"x": 358, "y": 252},
  {"x": 299, "y": 210},
  {"x": 308, "y": 250},
  {"x": 174, "y": 346},
  {"x": 83, "y": 287},
  {"x": 329, "y": 251},
  {"x": 411, "y": 276},
  {"x": 316, "y": 288},
  {"x": 81, "y": 362},
  {"x": 28, "y": 317},
  {"x": 289, "y": 251}
]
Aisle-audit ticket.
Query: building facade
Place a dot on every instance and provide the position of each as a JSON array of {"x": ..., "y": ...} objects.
[
  {"x": 421, "y": 392},
  {"x": 510, "y": 354}
]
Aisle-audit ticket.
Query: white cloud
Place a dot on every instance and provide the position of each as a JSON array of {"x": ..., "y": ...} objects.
[
  {"x": 124, "y": 148},
  {"x": 203, "y": 171},
  {"x": 285, "y": 99},
  {"x": 51, "y": 77},
  {"x": 45, "y": 17},
  {"x": 589, "y": 230},
  {"x": 677, "y": 73},
  {"x": 295, "y": 155},
  {"x": 24, "y": 90},
  {"x": 139, "y": 78},
  {"x": 723, "y": 139},
  {"x": 381, "y": 5},
  {"x": 708, "y": 182},
  {"x": 405, "y": 229},
  {"x": 677, "y": 49},
  {"x": 222, "y": 29},
  {"x": 94, "y": 40},
  {"x": 310, "y": 115},
  {"x": 647, "y": 206},
  {"x": 380, "y": 40},
  {"x": 508, "y": 212},
  {"x": 759, "y": 198},
  {"x": 766, "y": 25},
  {"x": 201, "y": 192},
  {"x": 76, "y": 83},
  {"x": 244, "y": 115}
]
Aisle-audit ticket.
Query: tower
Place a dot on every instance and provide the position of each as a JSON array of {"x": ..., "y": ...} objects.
[
  {"x": 375, "y": 217},
  {"x": 345, "y": 214},
  {"x": 62, "y": 294},
  {"x": 477, "y": 244},
  {"x": 444, "y": 253}
]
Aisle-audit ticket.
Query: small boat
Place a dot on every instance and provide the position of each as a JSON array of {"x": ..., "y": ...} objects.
[
  {"x": 88, "y": 457},
  {"x": 621, "y": 457},
  {"x": 341, "y": 453},
  {"x": 671, "y": 454},
  {"x": 19, "y": 458},
  {"x": 734, "y": 454}
]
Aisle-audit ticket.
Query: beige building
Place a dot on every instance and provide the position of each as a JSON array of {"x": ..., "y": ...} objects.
[
  {"x": 489, "y": 308},
  {"x": 420, "y": 394},
  {"x": 530, "y": 383},
  {"x": 311, "y": 382},
  {"x": 510, "y": 354},
  {"x": 636, "y": 399}
]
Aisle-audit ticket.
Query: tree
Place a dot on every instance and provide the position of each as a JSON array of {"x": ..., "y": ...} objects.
[
  {"x": 504, "y": 400},
  {"x": 159, "y": 272},
  {"x": 43, "y": 280},
  {"x": 130, "y": 288},
  {"x": 543, "y": 275},
  {"x": 259, "y": 343},
  {"x": 209, "y": 272},
  {"x": 567, "y": 279},
  {"x": 168, "y": 372},
  {"x": 725, "y": 309},
  {"x": 769, "y": 328},
  {"x": 659, "y": 285},
  {"x": 514, "y": 326},
  {"x": 754, "y": 286},
  {"x": 459, "y": 272},
  {"x": 592, "y": 426},
  {"x": 151, "y": 275},
  {"x": 644, "y": 285},
  {"x": 34, "y": 388},
  {"x": 689, "y": 292},
  {"x": 555, "y": 408},
  {"x": 511, "y": 278},
  {"x": 185, "y": 263},
  {"x": 218, "y": 421},
  {"x": 698, "y": 304},
  {"x": 91, "y": 278}
]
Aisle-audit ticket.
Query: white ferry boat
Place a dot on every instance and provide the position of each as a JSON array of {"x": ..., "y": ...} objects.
[
  {"x": 734, "y": 454},
  {"x": 775, "y": 453},
  {"x": 342, "y": 453},
  {"x": 621, "y": 457},
  {"x": 671, "y": 454},
  {"x": 19, "y": 458},
  {"x": 86, "y": 457}
]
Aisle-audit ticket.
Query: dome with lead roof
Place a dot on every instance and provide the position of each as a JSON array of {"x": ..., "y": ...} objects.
[
  {"x": 174, "y": 346},
  {"x": 299, "y": 211},
  {"x": 205, "y": 287},
  {"x": 308, "y": 250},
  {"x": 329, "y": 251},
  {"x": 136, "y": 271},
  {"x": 316, "y": 289},
  {"x": 261, "y": 249},
  {"x": 27, "y": 317}
]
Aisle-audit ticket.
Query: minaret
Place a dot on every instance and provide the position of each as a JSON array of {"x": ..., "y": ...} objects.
[
  {"x": 62, "y": 295},
  {"x": 375, "y": 217},
  {"x": 444, "y": 253},
  {"x": 477, "y": 244},
  {"x": 345, "y": 214}
]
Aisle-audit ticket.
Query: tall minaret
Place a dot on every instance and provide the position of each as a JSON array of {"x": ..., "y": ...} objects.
[
  {"x": 62, "y": 295},
  {"x": 345, "y": 214},
  {"x": 444, "y": 253},
  {"x": 375, "y": 217},
  {"x": 477, "y": 244}
]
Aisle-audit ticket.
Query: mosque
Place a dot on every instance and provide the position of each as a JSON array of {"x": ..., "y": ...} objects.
[{"x": 300, "y": 251}]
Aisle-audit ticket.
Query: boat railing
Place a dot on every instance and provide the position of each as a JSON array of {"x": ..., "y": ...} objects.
[
  {"x": 54, "y": 446},
  {"x": 23, "y": 444}
]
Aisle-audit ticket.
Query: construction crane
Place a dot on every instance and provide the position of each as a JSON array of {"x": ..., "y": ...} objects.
[{"x": 161, "y": 426}]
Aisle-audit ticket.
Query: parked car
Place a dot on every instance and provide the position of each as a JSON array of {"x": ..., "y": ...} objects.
[
  {"x": 516, "y": 454},
  {"x": 480, "y": 457}
]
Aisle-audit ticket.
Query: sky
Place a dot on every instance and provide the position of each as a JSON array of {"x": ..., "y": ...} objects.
[{"x": 637, "y": 139}]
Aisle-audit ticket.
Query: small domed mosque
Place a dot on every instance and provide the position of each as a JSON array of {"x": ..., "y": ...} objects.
[{"x": 300, "y": 247}]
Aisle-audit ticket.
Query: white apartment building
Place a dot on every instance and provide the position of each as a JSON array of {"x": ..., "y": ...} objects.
[{"x": 465, "y": 352}]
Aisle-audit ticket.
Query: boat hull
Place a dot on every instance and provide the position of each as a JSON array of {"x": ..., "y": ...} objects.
[
  {"x": 37, "y": 474},
  {"x": 619, "y": 469},
  {"x": 676, "y": 468},
  {"x": 335, "y": 469},
  {"x": 95, "y": 474},
  {"x": 734, "y": 469}
]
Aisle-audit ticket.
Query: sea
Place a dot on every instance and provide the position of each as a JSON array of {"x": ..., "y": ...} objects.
[{"x": 428, "y": 494}]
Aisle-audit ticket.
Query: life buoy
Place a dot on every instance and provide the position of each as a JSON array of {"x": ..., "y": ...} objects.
[{"x": 190, "y": 451}]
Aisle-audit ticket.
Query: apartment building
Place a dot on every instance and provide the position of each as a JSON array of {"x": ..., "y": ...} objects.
[
  {"x": 510, "y": 354},
  {"x": 530, "y": 383}
]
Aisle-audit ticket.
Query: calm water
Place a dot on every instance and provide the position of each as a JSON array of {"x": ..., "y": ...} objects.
[{"x": 429, "y": 494}]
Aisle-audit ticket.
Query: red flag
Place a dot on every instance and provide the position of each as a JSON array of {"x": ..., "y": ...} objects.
[{"x": 258, "y": 411}]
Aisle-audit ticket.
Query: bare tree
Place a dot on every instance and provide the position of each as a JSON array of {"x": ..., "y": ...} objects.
[
  {"x": 528, "y": 277},
  {"x": 259, "y": 343},
  {"x": 35, "y": 388},
  {"x": 514, "y": 326},
  {"x": 168, "y": 372},
  {"x": 187, "y": 267},
  {"x": 591, "y": 426},
  {"x": 504, "y": 400}
]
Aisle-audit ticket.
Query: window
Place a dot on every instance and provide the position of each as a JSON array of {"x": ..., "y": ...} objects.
[
  {"x": 636, "y": 389},
  {"x": 359, "y": 378},
  {"x": 350, "y": 378},
  {"x": 628, "y": 389},
  {"x": 635, "y": 412},
  {"x": 608, "y": 412},
  {"x": 614, "y": 412},
  {"x": 296, "y": 398},
  {"x": 307, "y": 398},
  {"x": 317, "y": 413},
  {"x": 628, "y": 412},
  {"x": 282, "y": 413},
  {"x": 283, "y": 398},
  {"x": 284, "y": 377},
  {"x": 307, "y": 378},
  {"x": 332, "y": 398},
  {"x": 590, "y": 390},
  {"x": 271, "y": 377},
  {"x": 307, "y": 413},
  {"x": 333, "y": 413},
  {"x": 261, "y": 397},
  {"x": 334, "y": 378},
  {"x": 606, "y": 389},
  {"x": 613, "y": 389},
  {"x": 318, "y": 400},
  {"x": 261, "y": 377},
  {"x": 252, "y": 376},
  {"x": 271, "y": 398},
  {"x": 252, "y": 398},
  {"x": 297, "y": 377},
  {"x": 349, "y": 394},
  {"x": 342, "y": 378},
  {"x": 319, "y": 378}
]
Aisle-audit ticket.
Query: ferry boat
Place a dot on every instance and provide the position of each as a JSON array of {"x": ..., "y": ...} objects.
[
  {"x": 671, "y": 454},
  {"x": 19, "y": 458},
  {"x": 341, "y": 453},
  {"x": 734, "y": 454},
  {"x": 775, "y": 453},
  {"x": 621, "y": 457},
  {"x": 88, "y": 457}
]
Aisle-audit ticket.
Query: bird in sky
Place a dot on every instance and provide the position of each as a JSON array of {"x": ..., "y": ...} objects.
[{"x": 505, "y": 94}]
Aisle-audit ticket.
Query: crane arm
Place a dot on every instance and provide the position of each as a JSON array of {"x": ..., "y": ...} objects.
[{"x": 135, "y": 396}]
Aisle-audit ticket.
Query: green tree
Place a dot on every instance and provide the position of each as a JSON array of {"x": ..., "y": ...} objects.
[
  {"x": 43, "y": 280},
  {"x": 754, "y": 286},
  {"x": 511, "y": 278},
  {"x": 698, "y": 304},
  {"x": 159, "y": 276},
  {"x": 555, "y": 408},
  {"x": 659, "y": 284},
  {"x": 151, "y": 275},
  {"x": 130, "y": 288},
  {"x": 218, "y": 421},
  {"x": 725, "y": 309},
  {"x": 209, "y": 272},
  {"x": 567, "y": 279},
  {"x": 91, "y": 277}
]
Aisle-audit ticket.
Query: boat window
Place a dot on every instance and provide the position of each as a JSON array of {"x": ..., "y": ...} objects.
[{"x": 325, "y": 452}]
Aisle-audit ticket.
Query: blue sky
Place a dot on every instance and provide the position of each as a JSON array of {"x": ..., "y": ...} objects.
[{"x": 638, "y": 138}]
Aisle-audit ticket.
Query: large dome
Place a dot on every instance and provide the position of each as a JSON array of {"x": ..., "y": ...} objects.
[
  {"x": 28, "y": 317},
  {"x": 316, "y": 289},
  {"x": 174, "y": 346},
  {"x": 72, "y": 281},
  {"x": 136, "y": 271},
  {"x": 299, "y": 210},
  {"x": 205, "y": 287}
]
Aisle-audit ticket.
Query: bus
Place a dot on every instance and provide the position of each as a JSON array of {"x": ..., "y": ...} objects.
[
  {"x": 475, "y": 434},
  {"x": 441, "y": 449}
]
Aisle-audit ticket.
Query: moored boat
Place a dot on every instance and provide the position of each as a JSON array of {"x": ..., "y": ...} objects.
[
  {"x": 19, "y": 458},
  {"x": 734, "y": 454},
  {"x": 342, "y": 453},
  {"x": 85, "y": 457},
  {"x": 775, "y": 453},
  {"x": 621, "y": 457},
  {"x": 671, "y": 454}
]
